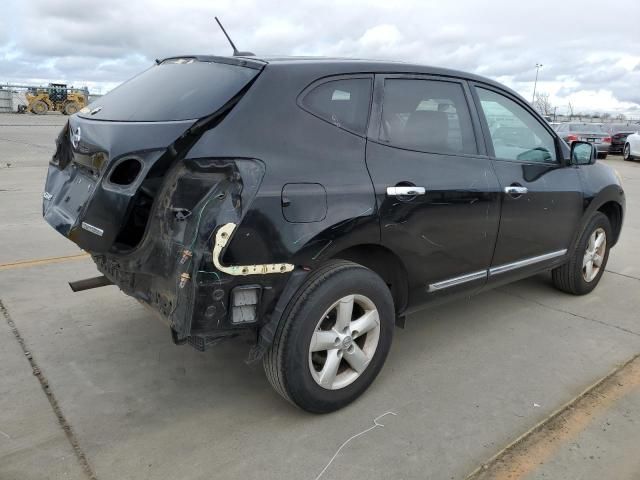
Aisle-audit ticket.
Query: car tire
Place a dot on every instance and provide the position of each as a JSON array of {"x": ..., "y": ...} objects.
[
  {"x": 626, "y": 153},
  {"x": 304, "y": 377},
  {"x": 576, "y": 276},
  {"x": 602, "y": 156}
]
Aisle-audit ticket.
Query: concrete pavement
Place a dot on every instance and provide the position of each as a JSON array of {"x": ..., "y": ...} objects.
[
  {"x": 595, "y": 437},
  {"x": 464, "y": 379}
]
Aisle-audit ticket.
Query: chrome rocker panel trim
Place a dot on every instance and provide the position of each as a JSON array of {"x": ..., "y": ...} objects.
[
  {"x": 469, "y": 277},
  {"x": 526, "y": 262}
]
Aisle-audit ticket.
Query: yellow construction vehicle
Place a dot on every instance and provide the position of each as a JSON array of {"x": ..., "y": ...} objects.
[{"x": 56, "y": 98}]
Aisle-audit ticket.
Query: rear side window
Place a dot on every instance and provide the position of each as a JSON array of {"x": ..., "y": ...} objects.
[
  {"x": 345, "y": 103},
  {"x": 173, "y": 91},
  {"x": 427, "y": 115}
]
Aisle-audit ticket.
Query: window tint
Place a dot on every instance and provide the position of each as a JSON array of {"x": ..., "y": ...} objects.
[
  {"x": 173, "y": 91},
  {"x": 515, "y": 133},
  {"x": 345, "y": 103},
  {"x": 426, "y": 115}
]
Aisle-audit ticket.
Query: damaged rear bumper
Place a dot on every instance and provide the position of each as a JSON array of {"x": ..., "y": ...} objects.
[{"x": 160, "y": 236}]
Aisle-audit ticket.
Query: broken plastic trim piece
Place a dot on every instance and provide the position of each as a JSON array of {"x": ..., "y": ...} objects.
[{"x": 222, "y": 238}]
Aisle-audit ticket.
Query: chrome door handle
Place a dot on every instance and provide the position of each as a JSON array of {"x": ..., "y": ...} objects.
[
  {"x": 405, "y": 191},
  {"x": 515, "y": 190}
]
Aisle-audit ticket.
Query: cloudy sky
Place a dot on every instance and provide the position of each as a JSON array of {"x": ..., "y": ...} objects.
[{"x": 590, "y": 50}]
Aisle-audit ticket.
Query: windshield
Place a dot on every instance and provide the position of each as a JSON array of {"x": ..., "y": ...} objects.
[
  {"x": 172, "y": 91},
  {"x": 586, "y": 127}
]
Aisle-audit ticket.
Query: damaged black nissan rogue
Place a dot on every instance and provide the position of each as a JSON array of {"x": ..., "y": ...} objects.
[{"x": 314, "y": 203}]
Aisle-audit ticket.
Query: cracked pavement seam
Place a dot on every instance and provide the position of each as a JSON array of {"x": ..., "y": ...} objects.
[
  {"x": 623, "y": 275},
  {"x": 66, "y": 426},
  {"x": 560, "y": 310}
]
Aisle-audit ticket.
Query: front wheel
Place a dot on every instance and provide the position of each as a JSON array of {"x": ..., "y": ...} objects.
[
  {"x": 39, "y": 107},
  {"x": 333, "y": 338},
  {"x": 626, "y": 153},
  {"x": 583, "y": 271}
]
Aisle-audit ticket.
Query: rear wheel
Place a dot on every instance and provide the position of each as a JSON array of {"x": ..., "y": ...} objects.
[
  {"x": 70, "y": 108},
  {"x": 583, "y": 271},
  {"x": 39, "y": 107},
  {"x": 602, "y": 156},
  {"x": 626, "y": 153},
  {"x": 333, "y": 338}
]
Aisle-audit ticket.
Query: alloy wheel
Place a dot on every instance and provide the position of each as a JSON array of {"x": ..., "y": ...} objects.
[
  {"x": 626, "y": 155},
  {"x": 344, "y": 342},
  {"x": 594, "y": 254}
]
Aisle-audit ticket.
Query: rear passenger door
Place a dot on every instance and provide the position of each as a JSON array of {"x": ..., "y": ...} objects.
[
  {"x": 435, "y": 188},
  {"x": 541, "y": 195}
]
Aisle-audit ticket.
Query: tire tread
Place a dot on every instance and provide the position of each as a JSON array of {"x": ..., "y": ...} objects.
[
  {"x": 565, "y": 277},
  {"x": 272, "y": 363}
]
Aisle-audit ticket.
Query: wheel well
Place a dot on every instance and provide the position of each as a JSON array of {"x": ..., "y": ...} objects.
[
  {"x": 386, "y": 264},
  {"x": 613, "y": 211}
]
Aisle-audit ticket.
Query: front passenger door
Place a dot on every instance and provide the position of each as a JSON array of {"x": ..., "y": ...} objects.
[{"x": 541, "y": 196}]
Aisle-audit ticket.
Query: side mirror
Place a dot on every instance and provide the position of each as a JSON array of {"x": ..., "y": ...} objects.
[{"x": 583, "y": 153}]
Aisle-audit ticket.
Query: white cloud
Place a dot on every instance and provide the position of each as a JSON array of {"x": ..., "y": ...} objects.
[
  {"x": 587, "y": 59},
  {"x": 380, "y": 36}
]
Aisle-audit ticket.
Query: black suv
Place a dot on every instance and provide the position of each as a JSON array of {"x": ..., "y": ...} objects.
[{"x": 314, "y": 203}]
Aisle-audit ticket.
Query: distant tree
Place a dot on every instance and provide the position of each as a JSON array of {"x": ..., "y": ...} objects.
[
  {"x": 542, "y": 103},
  {"x": 605, "y": 116},
  {"x": 621, "y": 117}
]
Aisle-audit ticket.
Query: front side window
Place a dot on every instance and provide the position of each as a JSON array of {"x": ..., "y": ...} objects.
[
  {"x": 426, "y": 115},
  {"x": 515, "y": 133},
  {"x": 345, "y": 103}
]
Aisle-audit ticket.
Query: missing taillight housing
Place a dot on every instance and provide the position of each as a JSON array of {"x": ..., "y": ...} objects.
[{"x": 126, "y": 172}]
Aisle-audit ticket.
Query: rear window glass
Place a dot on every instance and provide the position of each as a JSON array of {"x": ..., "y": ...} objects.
[
  {"x": 345, "y": 103},
  {"x": 585, "y": 127},
  {"x": 173, "y": 91}
]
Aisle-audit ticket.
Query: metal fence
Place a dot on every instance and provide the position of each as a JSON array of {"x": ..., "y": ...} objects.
[
  {"x": 592, "y": 119},
  {"x": 14, "y": 95}
]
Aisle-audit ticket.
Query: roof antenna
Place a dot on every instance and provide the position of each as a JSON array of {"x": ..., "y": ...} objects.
[{"x": 236, "y": 53}]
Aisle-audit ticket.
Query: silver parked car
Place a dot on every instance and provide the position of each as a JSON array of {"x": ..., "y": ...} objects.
[{"x": 593, "y": 133}]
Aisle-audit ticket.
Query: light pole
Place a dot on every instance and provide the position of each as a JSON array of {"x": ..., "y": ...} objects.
[{"x": 533, "y": 99}]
